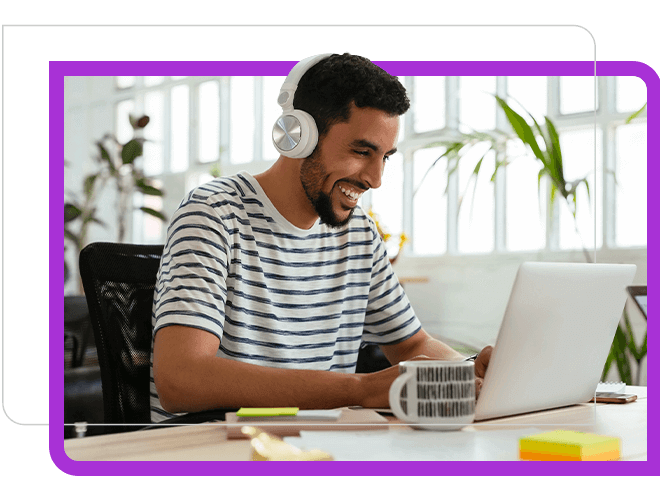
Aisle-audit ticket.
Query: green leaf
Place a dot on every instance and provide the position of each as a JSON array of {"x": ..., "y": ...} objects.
[
  {"x": 88, "y": 184},
  {"x": 573, "y": 206},
  {"x": 586, "y": 184},
  {"x": 630, "y": 340},
  {"x": 555, "y": 157},
  {"x": 148, "y": 189},
  {"x": 608, "y": 363},
  {"x": 636, "y": 114},
  {"x": 456, "y": 146},
  {"x": 620, "y": 356},
  {"x": 553, "y": 194},
  {"x": 71, "y": 212},
  {"x": 104, "y": 152},
  {"x": 552, "y": 157},
  {"x": 522, "y": 129},
  {"x": 642, "y": 351},
  {"x": 498, "y": 164},
  {"x": 91, "y": 218},
  {"x": 475, "y": 175},
  {"x": 613, "y": 174},
  {"x": 130, "y": 151},
  {"x": 154, "y": 213}
]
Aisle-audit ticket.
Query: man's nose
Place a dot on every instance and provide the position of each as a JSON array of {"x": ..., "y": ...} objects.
[{"x": 372, "y": 175}]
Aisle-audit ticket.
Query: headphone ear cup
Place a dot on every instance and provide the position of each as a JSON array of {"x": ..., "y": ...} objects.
[{"x": 295, "y": 134}]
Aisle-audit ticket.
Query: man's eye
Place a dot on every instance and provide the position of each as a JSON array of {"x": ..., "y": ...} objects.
[
  {"x": 363, "y": 153},
  {"x": 386, "y": 158}
]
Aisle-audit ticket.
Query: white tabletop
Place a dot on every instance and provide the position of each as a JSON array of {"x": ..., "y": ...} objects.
[{"x": 491, "y": 440}]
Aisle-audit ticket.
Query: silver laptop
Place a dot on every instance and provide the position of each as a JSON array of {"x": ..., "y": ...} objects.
[{"x": 555, "y": 337}]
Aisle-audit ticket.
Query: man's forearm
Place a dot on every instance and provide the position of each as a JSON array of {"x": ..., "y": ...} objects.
[
  {"x": 212, "y": 382},
  {"x": 436, "y": 349},
  {"x": 420, "y": 344}
]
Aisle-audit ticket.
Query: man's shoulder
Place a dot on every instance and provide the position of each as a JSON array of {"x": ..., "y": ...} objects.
[{"x": 229, "y": 187}]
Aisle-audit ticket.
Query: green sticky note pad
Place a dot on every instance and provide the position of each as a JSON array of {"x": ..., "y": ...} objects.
[{"x": 267, "y": 412}]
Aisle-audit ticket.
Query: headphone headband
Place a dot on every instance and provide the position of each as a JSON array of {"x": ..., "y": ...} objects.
[{"x": 288, "y": 90}]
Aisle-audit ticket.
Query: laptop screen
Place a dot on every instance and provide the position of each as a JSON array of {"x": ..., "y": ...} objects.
[{"x": 638, "y": 293}]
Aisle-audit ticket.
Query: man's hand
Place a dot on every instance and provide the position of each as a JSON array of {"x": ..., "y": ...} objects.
[
  {"x": 480, "y": 367},
  {"x": 375, "y": 387}
]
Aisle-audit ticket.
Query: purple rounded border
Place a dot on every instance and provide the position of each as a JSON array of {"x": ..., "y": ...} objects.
[{"x": 59, "y": 69}]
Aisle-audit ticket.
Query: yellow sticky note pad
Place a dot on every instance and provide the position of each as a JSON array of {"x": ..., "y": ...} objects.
[
  {"x": 267, "y": 412},
  {"x": 569, "y": 445}
]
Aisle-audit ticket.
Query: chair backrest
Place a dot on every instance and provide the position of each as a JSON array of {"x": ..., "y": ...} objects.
[{"x": 119, "y": 281}]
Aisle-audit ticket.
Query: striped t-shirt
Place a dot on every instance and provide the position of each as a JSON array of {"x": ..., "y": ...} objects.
[{"x": 274, "y": 294}]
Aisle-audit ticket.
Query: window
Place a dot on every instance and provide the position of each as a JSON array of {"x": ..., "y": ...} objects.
[
  {"x": 150, "y": 228},
  {"x": 123, "y": 129},
  {"x": 525, "y": 202},
  {"x": 241, "y": 146},
  {"x": 630, "y": 93},
  {"x": 180, "y": 122},
  {"x": 429, "y": 103},
  {"x": 477, "y": 105},
  {"x": 124, "y": 82},
  {"x": 387, "y": 201},
  {"x": 577, "y": 94},
  {"x": 209, "y": 122},
  {"x": 451, "y": 213},
  {"x": 578, "y": 155},
  {"x": 429, "y": 230},
  {"x": 154, "y": 108},
  {"x": 631, "y": 179},
  {"x": 199, "y": 123}
]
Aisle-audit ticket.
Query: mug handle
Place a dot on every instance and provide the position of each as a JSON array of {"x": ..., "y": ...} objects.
[{"x": 395, "y": 394}]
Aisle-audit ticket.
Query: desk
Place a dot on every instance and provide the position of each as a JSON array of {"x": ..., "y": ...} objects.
[{"x": 475, "y": 442}]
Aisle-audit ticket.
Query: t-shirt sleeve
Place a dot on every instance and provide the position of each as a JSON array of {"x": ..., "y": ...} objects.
[
  {"x": 191, "y": 289},
  {"x": 389, "y": 318}
]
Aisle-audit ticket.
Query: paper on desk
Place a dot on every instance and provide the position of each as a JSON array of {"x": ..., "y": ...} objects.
[{"x": 409, "y": 444}]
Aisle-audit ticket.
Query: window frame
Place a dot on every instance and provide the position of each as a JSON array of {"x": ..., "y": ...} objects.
[{"x": 606, "y": 117}]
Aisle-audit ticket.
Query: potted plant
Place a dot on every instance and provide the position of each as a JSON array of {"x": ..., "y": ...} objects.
[
  {"x": 548, "y": 155},
  {"x": 116, "y": 167}
]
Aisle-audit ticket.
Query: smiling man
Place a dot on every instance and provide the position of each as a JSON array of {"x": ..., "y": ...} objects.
[{"x": 269, "y": 284}]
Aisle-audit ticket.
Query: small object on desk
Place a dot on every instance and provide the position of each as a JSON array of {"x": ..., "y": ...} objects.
[
  {"x": 611, "y": 387},
  {"x": 569, "y": 446},
  {"x": 266, "y": 412},
  {"x": 288, "y": 414},
  {"x": 267, "y": 447},
  {"x": 612, "y": 392},
  {"x": 613, "y": 397},
  {"x": 291, "y": 426},
  {"x": 471, "y": 358}
]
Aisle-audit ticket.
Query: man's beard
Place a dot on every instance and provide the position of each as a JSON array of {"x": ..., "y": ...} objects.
[{"x": 312, "y": 173}]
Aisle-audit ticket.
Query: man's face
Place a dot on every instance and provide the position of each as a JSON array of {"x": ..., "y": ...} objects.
[{"x": 348, "y": 161}]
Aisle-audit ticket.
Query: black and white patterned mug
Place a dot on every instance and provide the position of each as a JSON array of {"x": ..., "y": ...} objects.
[{"x": 434, "y": 394}]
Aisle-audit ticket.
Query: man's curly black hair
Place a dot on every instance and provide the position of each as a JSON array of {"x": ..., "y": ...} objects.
[{"x": 328, "y": 88}]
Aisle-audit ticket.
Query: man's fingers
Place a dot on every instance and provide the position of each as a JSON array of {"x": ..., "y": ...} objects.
[
  {"x": 481, "y": 363},
  {"x": 478, "y": 382}
]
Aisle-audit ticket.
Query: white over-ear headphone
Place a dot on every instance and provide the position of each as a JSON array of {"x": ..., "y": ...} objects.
[{"x": 295, "y": 134}]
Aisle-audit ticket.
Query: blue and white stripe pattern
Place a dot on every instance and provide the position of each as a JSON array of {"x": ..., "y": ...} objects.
[{"x": 274, "y": 294}]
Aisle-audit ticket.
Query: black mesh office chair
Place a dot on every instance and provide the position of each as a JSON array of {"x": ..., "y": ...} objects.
[{"x": 119, "y": 281}]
